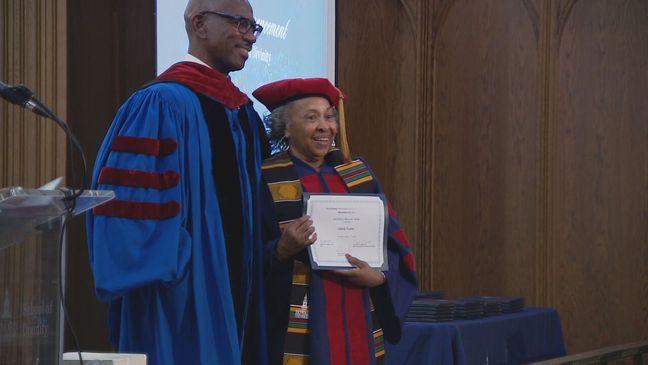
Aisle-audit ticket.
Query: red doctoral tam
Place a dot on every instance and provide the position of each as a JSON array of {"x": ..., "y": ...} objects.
[{"x": 280, "y": 92}]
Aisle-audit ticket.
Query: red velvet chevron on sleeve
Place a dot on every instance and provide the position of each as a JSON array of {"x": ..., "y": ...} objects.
[
  {"x": 138, "y": 178},
  {"x": 138, "y": 210},
  {"x": 146, "y": 146}
]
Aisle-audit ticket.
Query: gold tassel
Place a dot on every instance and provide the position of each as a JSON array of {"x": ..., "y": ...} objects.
[{"x": 344, "y": 143}]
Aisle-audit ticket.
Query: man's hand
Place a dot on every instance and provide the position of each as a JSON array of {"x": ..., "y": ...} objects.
[
  {"x": 297, "y": 235},
  {"x": 362, "y": 275}
]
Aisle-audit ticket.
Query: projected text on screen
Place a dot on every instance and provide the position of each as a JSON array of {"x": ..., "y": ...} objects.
[{"x": 298, "y": 40}]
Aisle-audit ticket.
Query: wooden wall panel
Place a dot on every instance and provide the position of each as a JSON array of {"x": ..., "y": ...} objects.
[
  {"x": 32, "y": 52},
  {"x": 530, "y": 149},
  {"x": 599, "y": 173},
  {"x": 377, "y": 70},
  {"x": 112, "y": 53},
  {"x": 486, "y": 149}
]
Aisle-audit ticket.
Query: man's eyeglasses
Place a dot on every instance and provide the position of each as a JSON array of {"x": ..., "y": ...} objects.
[{"x": 243, "y": 24}]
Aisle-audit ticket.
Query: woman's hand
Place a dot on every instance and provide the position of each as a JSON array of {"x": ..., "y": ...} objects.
[
  {"x": 297, "y": 235},
  {"x": 362, "y": 275}
]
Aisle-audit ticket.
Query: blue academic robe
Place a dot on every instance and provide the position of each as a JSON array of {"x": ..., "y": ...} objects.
[{"x": 165, "y": 275}]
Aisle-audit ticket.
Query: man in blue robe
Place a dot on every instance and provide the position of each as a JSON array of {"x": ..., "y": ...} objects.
[{"x": 177, "y": 254}]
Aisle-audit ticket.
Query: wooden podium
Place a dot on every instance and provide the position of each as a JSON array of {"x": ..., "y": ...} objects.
[{"x": 30, "y": 314}]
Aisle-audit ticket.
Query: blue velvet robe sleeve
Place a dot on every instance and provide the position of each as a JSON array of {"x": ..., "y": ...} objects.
[
  {"x": 392, "y": 299},
  {"x": 128, "y": 253},
  {"x": 167, "y": 281}
]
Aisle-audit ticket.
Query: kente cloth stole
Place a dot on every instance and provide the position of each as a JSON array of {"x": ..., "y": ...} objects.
[{"x": 286, "y": 189}]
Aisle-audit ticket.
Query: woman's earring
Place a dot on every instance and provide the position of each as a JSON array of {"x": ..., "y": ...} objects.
[{"x": 283, "y": 141}]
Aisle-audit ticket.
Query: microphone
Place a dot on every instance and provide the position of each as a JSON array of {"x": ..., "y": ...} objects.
[{"x": 21, "y": 95}]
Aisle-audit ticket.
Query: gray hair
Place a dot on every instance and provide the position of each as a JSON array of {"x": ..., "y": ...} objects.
[{"x": 277, "y": 121}]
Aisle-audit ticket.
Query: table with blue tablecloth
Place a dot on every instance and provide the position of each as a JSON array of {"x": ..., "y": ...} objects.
[{"x": 531, "y": 335}]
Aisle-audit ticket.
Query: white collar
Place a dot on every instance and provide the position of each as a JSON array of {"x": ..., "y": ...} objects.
[{"x": 191, "y": 58}]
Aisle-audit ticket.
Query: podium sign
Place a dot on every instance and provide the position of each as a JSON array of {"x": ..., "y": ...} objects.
[{"x": 30, "y": 314}]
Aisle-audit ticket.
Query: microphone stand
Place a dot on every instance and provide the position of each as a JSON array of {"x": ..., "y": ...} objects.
[{"x": 23, "y": 96}]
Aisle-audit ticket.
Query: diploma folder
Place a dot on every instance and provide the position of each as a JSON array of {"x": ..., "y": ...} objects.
[{"x": 356, "y": 224}]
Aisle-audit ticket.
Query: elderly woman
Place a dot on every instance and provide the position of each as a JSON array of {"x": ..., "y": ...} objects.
[{"x": 324, "y": 316}]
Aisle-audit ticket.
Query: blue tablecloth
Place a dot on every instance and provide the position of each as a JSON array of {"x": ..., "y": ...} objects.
[{"x": 531, "y": 335}]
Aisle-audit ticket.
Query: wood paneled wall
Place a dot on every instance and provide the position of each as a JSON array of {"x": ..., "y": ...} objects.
[
  {"x": 32, "y": 152},
  {"x": 598, "y": 171},
  {"x": 512, "y": 138},
  {"x": 33, "y": 53},
  {"x": 377, "y": 64},
  {"x": 111, "y": 54}
]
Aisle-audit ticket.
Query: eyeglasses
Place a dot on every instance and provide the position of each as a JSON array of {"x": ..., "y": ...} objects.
[{"x": 243, "y": 24}]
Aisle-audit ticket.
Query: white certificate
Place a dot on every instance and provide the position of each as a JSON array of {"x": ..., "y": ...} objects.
[{"x": 347, "y": 224}]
